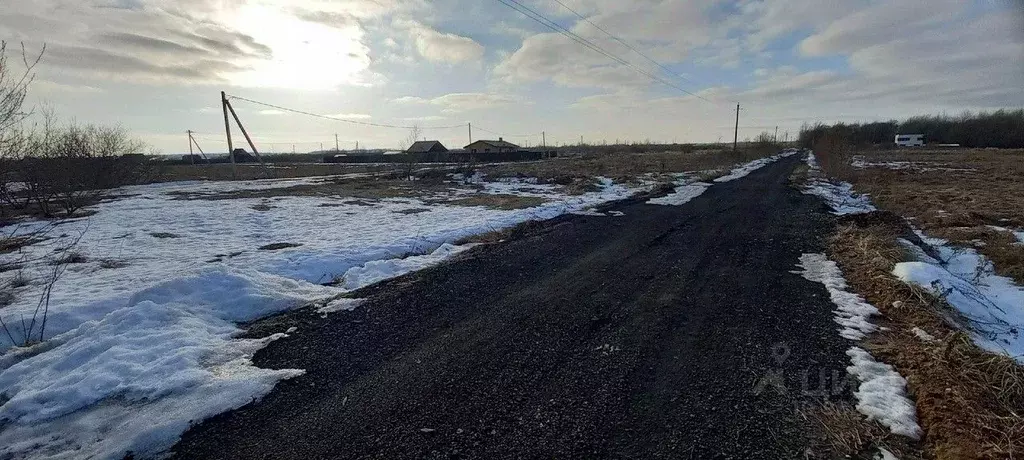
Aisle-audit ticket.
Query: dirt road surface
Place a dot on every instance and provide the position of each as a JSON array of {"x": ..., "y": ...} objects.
[{"x": 669, "y": 332}]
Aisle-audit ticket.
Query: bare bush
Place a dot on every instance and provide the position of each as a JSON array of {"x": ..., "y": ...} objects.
[
  {"x": 29, "y": 330},
  {"x": 46, "y": 167}
]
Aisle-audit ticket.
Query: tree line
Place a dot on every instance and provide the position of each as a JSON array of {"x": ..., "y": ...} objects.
[
  {"x": 50, "y": 168},
  {"x": 999, "y": 129}
]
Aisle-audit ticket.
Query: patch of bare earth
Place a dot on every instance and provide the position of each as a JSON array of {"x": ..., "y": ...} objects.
[{"x": 969, "y": 402}]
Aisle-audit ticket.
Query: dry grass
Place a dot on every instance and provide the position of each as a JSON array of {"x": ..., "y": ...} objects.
[
  {"x": 250, "y": 171},
  {"x": 625, "y": 167},
  {"x": 969, "y": 402},
  {"x": 956, "y": 195},
  {"x": 838, "y": 430}
]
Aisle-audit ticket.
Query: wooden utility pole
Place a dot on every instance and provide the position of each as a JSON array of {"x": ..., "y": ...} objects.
[
  {"x": 736, "y": 133},
  {"x": 470, "y": 125},
  {"x": 248, "y": 139},
  {"x": 544, "y": 138},
  {"x": 191, "y": 154},
  {"x": 227, "y": 132},
  {"x": 337, "y": 145}
]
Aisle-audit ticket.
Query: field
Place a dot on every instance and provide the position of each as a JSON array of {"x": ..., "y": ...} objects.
[
  {"x": 956, "y": 215},
  {"x": 161, "y": 275},
  {"x": 974, "y": 198}
]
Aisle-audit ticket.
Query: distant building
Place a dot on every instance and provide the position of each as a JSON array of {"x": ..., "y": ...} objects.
[
  {"x": 241, "y": 156},
  {"x": 498, "y": 146},
  {"x": 192, "y": 159},
  {"x": 427, "y": 147},
  {"x": 910, "y": 140}
]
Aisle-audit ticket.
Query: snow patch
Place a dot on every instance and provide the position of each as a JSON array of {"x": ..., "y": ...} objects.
[
  {"x": 882, "y": 395},
  {"x": 992, "y": 304},
  {"x": 921, "y": 334},
  {"x": 682, "y": 194},
  {"x": 839, "y": 196},
  {"x": 380, "y": 270},
  {"x": 342, "y": 304},
  {"x": 853, "y": 313}
]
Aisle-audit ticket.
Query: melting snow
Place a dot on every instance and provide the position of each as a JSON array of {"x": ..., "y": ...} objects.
[
  {"x": 852, "y": 311},
  {"x": 837, "y": 195},
  {"x": 882, "y": 394},
  {"x": 682, "y": 194},
  {"x": 993, "y": 304},
  {"x": 136, "y": 353}
]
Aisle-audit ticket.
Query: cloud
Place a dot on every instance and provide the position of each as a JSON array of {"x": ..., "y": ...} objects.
[
  {"x": 666, "y": 31},
  {"x": 441, "y": 47},
  {"x": 141, "y": 42},
  {"x": 463, "y": 102},
  {"x": 352, "y": 116}
]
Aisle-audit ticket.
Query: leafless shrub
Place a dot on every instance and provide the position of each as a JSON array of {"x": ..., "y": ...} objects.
[
  {"x": 47, "y": 167},
  {"x": 33, "y": 329}
]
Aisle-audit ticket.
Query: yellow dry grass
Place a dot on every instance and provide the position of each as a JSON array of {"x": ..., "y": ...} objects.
[
  {"x": 954, "y": 194},
  {"x": 969, "y": 402}
]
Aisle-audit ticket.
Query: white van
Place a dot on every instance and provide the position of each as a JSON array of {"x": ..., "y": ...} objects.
[{"x": 910, "y": 140}]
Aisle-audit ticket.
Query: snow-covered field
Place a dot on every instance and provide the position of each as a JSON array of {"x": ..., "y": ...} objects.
[{"x": 140, "y": 337}]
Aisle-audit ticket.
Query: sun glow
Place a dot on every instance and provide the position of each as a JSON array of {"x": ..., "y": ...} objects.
[{"x": 306, "y": 55}]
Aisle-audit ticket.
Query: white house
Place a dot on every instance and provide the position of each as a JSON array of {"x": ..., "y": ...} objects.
[{"x": 910, "y": 140}]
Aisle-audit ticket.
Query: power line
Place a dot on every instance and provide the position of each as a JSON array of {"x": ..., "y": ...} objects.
[
  {"x": 532, "y": 14},
  {"x": 326, "y": 117},
  {"x": 505, "y": 135},
  {"x": 627, "y": 45}
]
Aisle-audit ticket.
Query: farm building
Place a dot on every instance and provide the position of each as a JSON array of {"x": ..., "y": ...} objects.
[
  {"x": 498, "y": 146},
  {"x": 242, "y": 156},
  {"x": 910, "y": 140},
  {"x": 427, "y": 147}
]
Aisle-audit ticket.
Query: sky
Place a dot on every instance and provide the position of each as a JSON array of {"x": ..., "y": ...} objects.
[{"x": 158, "y": 67}]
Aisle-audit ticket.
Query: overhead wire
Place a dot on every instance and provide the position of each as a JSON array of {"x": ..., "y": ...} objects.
[
  {"x": 475, "y": 127},
  {"x": 627, "y": 45},
  {"x": 343, "y": 120},
  {"x": 540, "y": 18}
]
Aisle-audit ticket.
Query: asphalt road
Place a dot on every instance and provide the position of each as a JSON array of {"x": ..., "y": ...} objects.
[{"x": 669, "y": 332}]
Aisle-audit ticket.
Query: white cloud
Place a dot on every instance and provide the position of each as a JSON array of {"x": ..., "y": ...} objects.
[
  {"x": 447, "y": 48},
  {"x": 352, "y": 116},
  {"x": 464, "y": 102}
]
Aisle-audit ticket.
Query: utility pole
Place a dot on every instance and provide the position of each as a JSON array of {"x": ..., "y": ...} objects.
[
  {"x": 736, "y": 133},
  {"x": 581, "y": 140},
  {"x": 470, "y": 132},
  {"x": 776, "y": 135},
  {"x": 357, "y": 146},
  {"x": 321, "y": 146},
  {"x": 337, "y": 146},
  {"x": 227, "y": 131},
  {"x": 191, "y": 155},
  {"x": 543, "y": 139}
]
